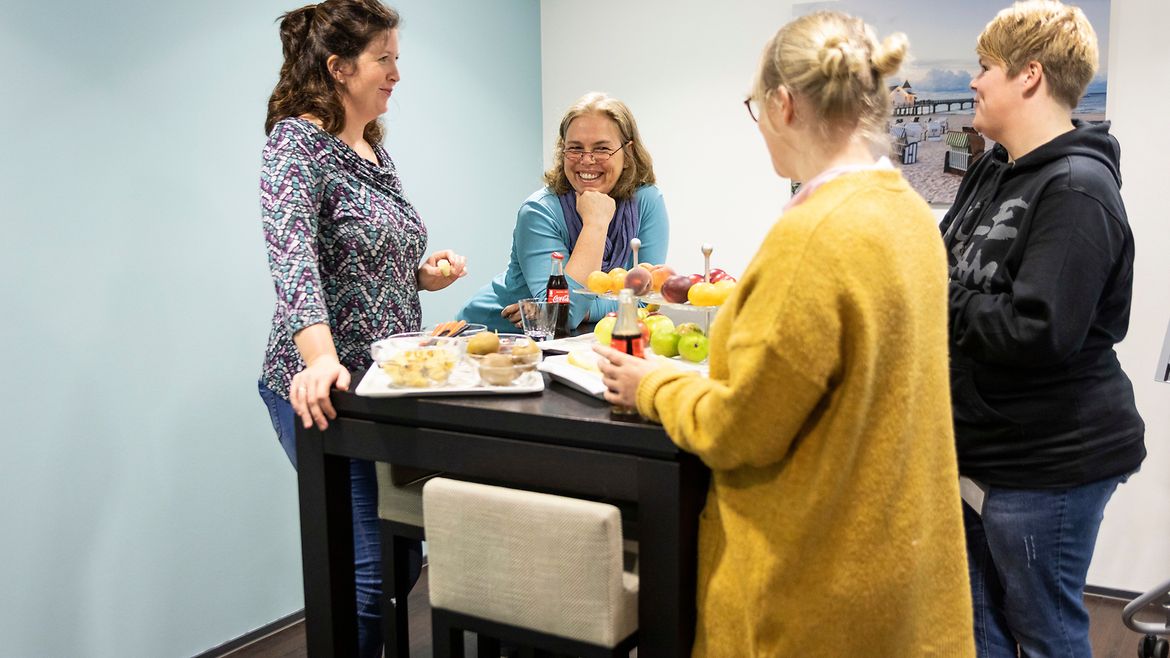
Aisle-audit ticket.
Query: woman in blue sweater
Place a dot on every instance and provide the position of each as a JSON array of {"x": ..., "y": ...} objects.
[{"x": 600, "y": 193}]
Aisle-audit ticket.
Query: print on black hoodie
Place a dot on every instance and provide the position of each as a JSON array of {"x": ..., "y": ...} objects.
[{"x": 1041, "y": 268}]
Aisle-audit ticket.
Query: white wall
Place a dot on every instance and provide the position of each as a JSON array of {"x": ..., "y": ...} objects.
[
  {"x": 684, "y": 68},
  {"x": 146, "y": 508}
]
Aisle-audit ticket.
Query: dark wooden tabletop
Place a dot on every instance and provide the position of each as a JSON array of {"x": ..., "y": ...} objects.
[{"x": 558, "y": 415}]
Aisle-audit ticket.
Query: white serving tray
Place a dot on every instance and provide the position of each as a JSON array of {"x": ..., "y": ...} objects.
[
  {"x": 464, "y": 381},
  {"x": 589, "y": 382},
  {"x": 568, "y": 344}
]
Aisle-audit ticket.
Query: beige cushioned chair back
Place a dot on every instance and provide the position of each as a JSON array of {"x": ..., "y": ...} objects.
[{"x": 537, "y": 561}]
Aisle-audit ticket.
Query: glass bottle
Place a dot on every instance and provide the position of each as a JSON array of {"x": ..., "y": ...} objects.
[
  {"x": 627, "y": 337},
  {"x": 558, "y": 293}
]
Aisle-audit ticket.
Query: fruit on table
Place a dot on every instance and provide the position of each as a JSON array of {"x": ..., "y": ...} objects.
[
  {"x": 525, "y": 351},
  {"x": 718, "y": 275},
  {"x": 688, "y": 328},
  {"x": 497, "y": 370},
  {"x": 693, "y": 347},
  {"x": 659, "y": 275},
  {"x": 675, "y": 288},
  {"x": 704, "y": 294},
  {"x": 649, "y": 267},
  {"x": 643, "y": 312},
  {"x": 656, "y": 322},
  {"x": 638, "y": 280},
  {"x": 604, "y": 329},
  {"x": 665, "y": 342},
  {"x": 485, "y": 342},
  {"x": 724, "y": 288},
  {"x": 597, "y": 282},
  {"x": 696, "y": 278},
  {"x": 617, "y": 279}
]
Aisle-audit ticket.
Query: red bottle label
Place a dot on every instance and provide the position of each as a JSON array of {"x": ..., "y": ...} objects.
[
  {"x": 629, "y": 344},
  {"x": 558, "y": 296}
]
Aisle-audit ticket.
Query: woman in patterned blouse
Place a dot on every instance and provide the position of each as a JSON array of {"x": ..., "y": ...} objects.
[{"x": 344, "y": 244}]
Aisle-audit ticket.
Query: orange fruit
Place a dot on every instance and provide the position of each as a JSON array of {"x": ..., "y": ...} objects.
[
  {"x": 617, "y": 278},
  {"x": 597, "y": 282}
]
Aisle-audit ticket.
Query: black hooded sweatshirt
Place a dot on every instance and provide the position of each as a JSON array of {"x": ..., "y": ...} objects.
[{"x": 1041, "y": 269}]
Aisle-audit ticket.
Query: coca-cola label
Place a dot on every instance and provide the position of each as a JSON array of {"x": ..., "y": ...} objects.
[
  {"x": 558, "y": 296},
  {"x": 629, "y": 344}
]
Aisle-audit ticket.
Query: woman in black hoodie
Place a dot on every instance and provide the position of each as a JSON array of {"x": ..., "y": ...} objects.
[{"x": 1041, "y": 259}]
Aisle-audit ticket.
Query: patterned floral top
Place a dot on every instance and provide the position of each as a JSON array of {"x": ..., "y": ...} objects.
[{"x": 344, "y": 246}]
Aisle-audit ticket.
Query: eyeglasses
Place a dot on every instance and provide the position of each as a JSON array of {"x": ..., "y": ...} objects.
[
  {"x": 750, "y": 104},
  {"x": 600, "y": 155}
]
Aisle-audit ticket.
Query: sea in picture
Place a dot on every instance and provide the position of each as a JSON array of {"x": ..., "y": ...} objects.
[{"x": 926, "y": 174}]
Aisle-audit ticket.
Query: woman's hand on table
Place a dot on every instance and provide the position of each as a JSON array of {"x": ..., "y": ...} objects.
[
  {"x": 309, "y": 392},
  {"x": 511, "y": 313},
  {"x": 435, "y": 274},
  {"x": 621, "y": 374}
]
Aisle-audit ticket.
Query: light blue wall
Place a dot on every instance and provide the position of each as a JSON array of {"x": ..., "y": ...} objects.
[{"x": 145, "y": 507}]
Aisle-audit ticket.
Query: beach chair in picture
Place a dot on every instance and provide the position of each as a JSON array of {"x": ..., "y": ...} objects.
[
  {"x": 963, "y": 148},
  {"x": 934, "y": 131},
  {"x": 904, "y": 140}
]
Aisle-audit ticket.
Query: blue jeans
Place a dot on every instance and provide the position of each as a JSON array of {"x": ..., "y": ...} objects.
[
  {"x": 367, "y": 546},
  {"x": 1028, "y": 556}
]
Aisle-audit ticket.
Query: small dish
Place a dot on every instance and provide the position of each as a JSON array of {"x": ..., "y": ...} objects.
[
  {"x": 513, "y": 356},
  {"x": 417, "y": 359}
]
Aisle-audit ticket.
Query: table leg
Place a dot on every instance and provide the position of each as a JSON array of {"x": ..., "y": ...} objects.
[
  {"x": 670, "y": 497},
  {"x": 326, "y": 547}
]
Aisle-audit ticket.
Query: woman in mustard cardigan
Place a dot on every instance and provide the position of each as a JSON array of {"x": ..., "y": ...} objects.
[{"x": 833, "y": 524}]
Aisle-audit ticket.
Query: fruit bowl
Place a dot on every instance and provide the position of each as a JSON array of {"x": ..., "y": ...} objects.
[
  {"x": 417, "y": 359},
  {"x": 502, "y": 360}
]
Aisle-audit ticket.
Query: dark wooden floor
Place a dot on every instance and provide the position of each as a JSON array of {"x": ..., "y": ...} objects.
[{"x": 1110, "y": 638}]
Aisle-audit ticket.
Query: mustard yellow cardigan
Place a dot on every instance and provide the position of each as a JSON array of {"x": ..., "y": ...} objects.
[{"x": 833, "y": 524}]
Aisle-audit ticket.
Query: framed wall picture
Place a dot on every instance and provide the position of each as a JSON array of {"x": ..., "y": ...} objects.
[
  {"x": 1162, "y": 373},
  {"x": 931, "y": 138}
]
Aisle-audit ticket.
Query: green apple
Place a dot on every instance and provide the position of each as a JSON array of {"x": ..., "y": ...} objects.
[
  {"x": 689, "y": 328},
  {"x": 604, "y": 330},
  {"x": 693, "y": 347},
  {"x": 656, "y": 322},
  {"x": 664, "y": 342}
]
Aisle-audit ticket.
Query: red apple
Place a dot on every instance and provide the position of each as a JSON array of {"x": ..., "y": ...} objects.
[
  {"x": 719, "y": 275},
  {"x": 676, "y": 287},
  {"x": 695, "y": 278}
]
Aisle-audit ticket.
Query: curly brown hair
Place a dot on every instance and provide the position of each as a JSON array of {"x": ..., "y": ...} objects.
[
  {"x": 639, "y": 168},
  {"x": 309, "y": 36}
]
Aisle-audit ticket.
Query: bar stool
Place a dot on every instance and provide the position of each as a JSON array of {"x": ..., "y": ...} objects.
[
  {"x": 400, "y": 513},
  {"x": 533, "y": 569}
]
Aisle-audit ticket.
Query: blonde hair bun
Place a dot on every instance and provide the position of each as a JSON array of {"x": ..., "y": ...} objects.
[
  {"x": 888, "y": 56},
  {"x": 839, "y": 59}
]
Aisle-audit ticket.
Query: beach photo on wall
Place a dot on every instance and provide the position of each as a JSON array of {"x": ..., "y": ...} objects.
[{"x": 931, "y": 138}]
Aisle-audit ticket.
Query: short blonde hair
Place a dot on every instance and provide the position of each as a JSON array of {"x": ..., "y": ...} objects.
[
  {"x": 640, "y": 170},
  {"x": 835, "y": 62},
  {"x": 1056, "y": 35}
]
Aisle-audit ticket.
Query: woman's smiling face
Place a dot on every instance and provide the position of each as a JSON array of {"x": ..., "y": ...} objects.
[{"x": 594, "y": 132}]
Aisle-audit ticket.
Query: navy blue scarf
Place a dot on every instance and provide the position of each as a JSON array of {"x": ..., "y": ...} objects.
[{"x": 622, "y": 228}]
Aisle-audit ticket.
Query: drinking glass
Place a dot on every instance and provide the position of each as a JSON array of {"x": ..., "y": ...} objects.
[{"x": 538, "y": 317}]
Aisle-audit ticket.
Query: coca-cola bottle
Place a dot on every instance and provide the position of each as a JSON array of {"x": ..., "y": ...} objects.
[
  {"x": 558, "y": 293},
  {"x": 627, "y": 337}
]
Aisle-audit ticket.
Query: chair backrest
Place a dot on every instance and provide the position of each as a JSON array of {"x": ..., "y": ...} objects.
[{"x": 537, "y": 561}]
